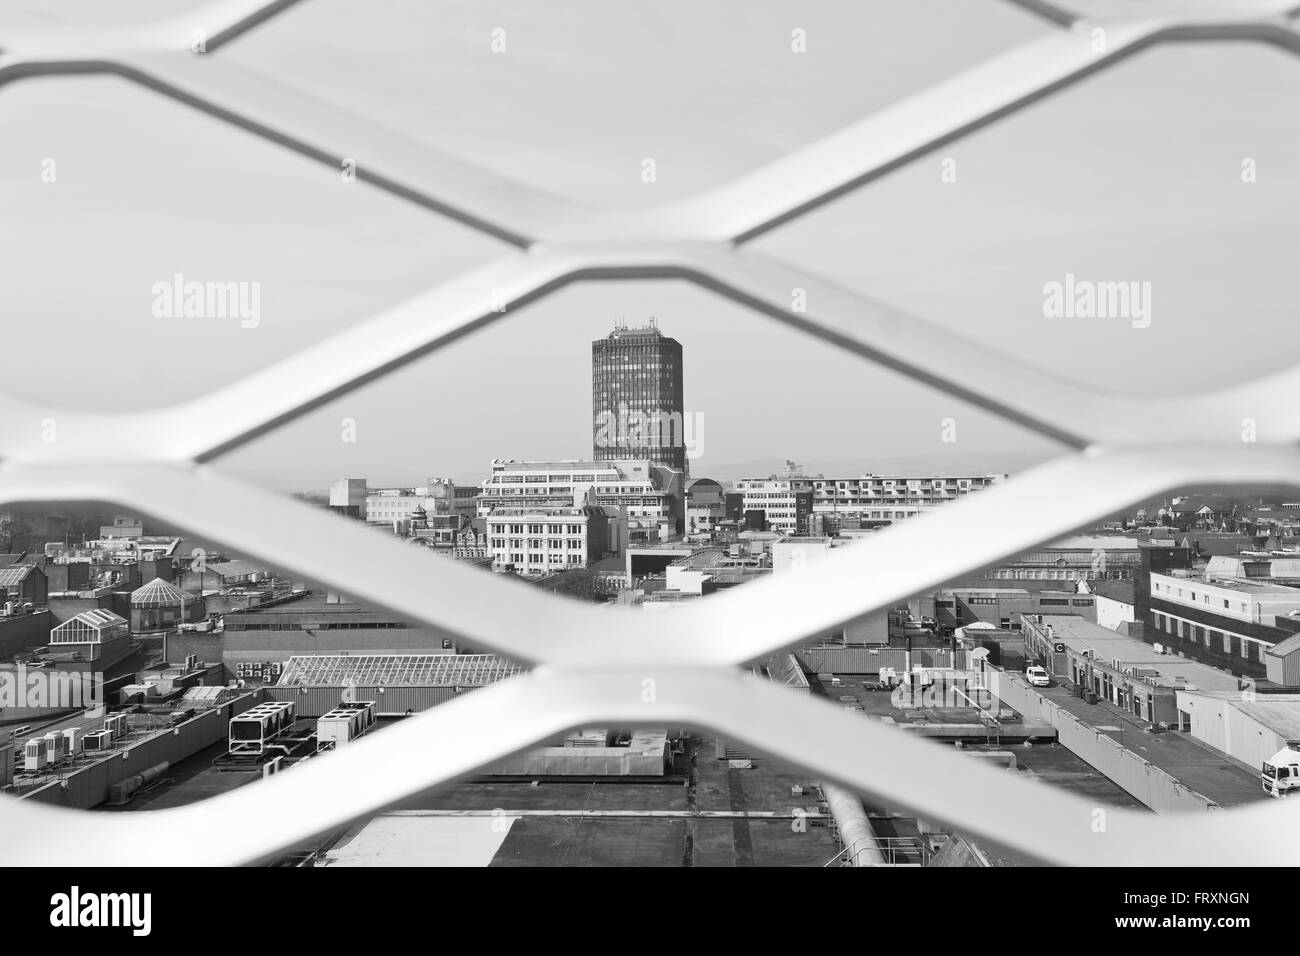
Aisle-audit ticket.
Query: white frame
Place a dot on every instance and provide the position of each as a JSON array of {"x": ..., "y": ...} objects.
[{"x": 1125, "y": 448}]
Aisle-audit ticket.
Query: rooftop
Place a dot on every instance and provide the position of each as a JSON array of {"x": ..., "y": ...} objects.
[
  {"x": 1111, "y": 542},
  {"x": 553, "y": 511},
  {"x": 1108, "y": 646},
  {"x": 1258, "y": 586},
  {"x": 1121, "y": 591},
  {"x": 398, "y": 670},
  {"x": 1283, "y": 648},
  {"x": 99, "y": 619},
  {"x": 235, "y": 568},
  {"x": 15, "y": 575},
  {"x": 160, "y": 593}
]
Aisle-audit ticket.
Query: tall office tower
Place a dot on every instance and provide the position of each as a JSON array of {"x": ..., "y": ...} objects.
[{"x": 636, "y": 397}]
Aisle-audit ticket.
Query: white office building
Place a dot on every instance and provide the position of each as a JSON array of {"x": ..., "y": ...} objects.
[
  {"x": 537, "y": 541},
  {"x": 652, "y": 496}
]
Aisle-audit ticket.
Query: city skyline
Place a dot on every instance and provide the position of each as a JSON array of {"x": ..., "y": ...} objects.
[
  {"x": 336, "y": 253},
  {"x": 462, "y": 264}
]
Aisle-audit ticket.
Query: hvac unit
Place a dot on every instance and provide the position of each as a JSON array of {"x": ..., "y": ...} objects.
[
  {"x": 34, "y": 756},
  {"x": 344, "y": 723},
  {"x": 72, "y": 741},
  {"x": 251, "y": 731},
  {"x": 116, "y": 725},
  {"x": 53, "y": 747},
  {"x": 6, "y": 765},
  {"x": 98, "y": 740}
]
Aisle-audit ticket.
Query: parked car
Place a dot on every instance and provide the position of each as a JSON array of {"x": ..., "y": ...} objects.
[{"x": 1038, "y": 676}]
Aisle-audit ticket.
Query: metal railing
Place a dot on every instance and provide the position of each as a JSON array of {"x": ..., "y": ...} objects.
[{"x": 586, "y": 668}]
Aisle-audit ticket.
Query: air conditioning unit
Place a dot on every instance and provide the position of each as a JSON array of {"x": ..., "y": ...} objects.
[
  {"x": 97, "y": 740},
  {"x": 53, "y": 747},
  {"x": 34, "y": 757},
  {"x": 72, "y": 741}
]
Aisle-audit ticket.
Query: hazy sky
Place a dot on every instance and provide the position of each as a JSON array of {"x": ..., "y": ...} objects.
[{"x": 1134, "y": 175}]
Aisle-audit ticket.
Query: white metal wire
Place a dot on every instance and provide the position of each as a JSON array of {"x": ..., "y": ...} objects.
[{"x": 591, "y": 665}]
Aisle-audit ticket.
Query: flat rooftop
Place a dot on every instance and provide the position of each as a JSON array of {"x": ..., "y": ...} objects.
[
  {"x": 1254, "y": 585},
  {"x": 1060, "y": 766},
  {"x": 1194, "y": 764},
  {"x": 1107, "y": 646},
  {"x": 314, "y": 605}
]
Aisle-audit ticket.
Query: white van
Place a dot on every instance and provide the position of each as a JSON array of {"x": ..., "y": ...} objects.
[{"x": 1037, "y": 676}]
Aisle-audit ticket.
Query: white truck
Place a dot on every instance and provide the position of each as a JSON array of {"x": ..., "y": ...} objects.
[{"x": 1281, "y": 773}]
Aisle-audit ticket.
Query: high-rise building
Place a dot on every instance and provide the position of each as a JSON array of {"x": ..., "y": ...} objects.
[{"x": 636, "y": 397}]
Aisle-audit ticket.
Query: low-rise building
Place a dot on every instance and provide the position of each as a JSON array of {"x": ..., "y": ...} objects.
[
  {"x": 123, "y": 526},
  {"x": 650, "y": 495},
  {"x": 1228, "y": 622},
  {"x": 1077, "y": 558},
  {"x": 23, "y": 584},
  {"x": 348, "y": 497},
  {"x": 207, "y": 575},
  {"x": 1282, "y": 662},
  {"x": 1247, "y": 727},
  {"x": 876, "y": 501},
  {"x": 160, "y": 606},
  {"x": 1116, "y": 608},
  {"x": 1001, "y": 607},
  {"x": 99, "y": 635},
  {"x": 1128, "y": 673},
  {"x": 393, "y": 506},
  {"x": 784, "y": 502},
  {"x": 537, "y": 541}
]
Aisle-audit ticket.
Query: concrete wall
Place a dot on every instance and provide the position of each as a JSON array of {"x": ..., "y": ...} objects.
[
  {"x": 1111, "y": 613},
  {"x": 1143, "y": 780},
  {"x": 868, "y": 660}
]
